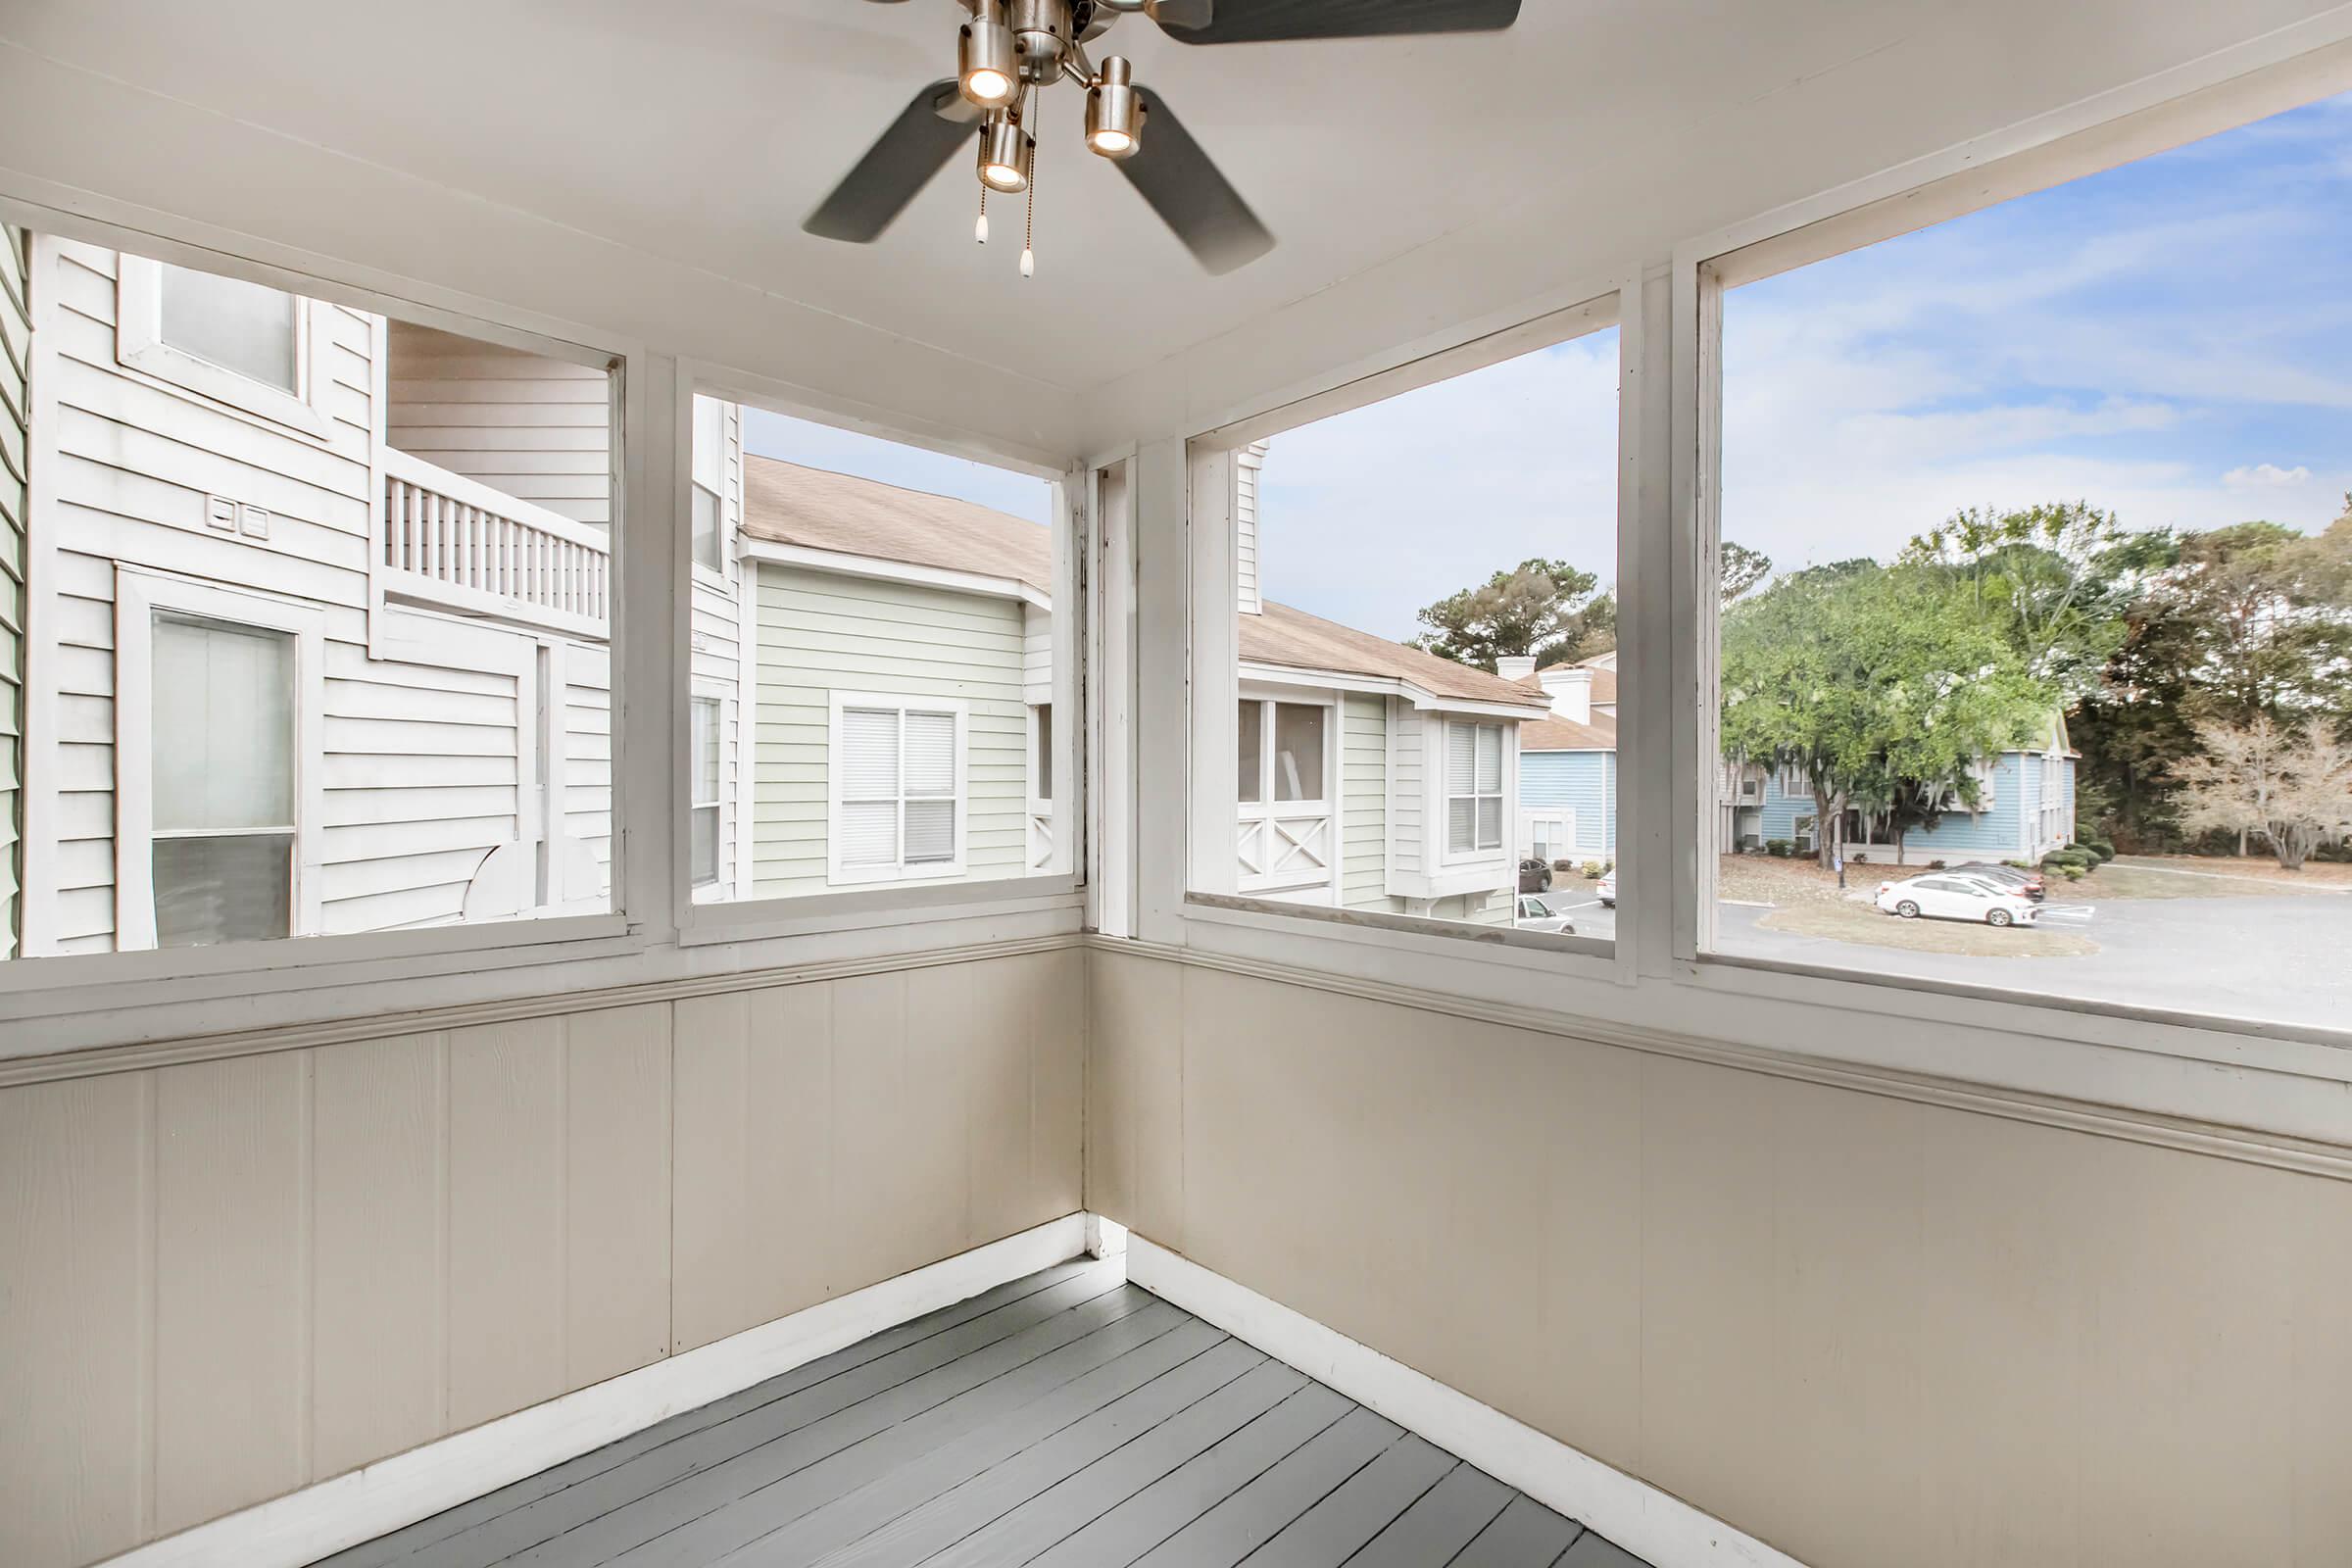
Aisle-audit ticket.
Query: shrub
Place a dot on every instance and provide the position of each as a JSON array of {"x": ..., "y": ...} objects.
[
  {"x": 2073, "y": 873},
  {"x": 1563, "y": 865},
  {"x": 1934, "y": 865},
  {"x": 2099, "y": 848},
  {"x": 1857, "y": 859},
  {"x": 1778, "y": 848},
  {"x": 1593, "y": 870}
]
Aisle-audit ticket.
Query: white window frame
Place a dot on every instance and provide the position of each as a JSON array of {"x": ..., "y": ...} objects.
[
  {"x": 839, "y": 874},
  {"x": 52, "y": 1001},
  {"x": 722, "y": 701},
  {"x": 140, "y": 345},
  {"x": 1888, "y": 1029},
  {"x": 1265, "y": 809},
  {"x": 708, "y": 575},
  {"x": 1039, "y": 842},
  {"x": 2074, "y": 1040},
  {"x": 1187, "y": 568},
  {"x": 908, "y": 911},
  {"x": 1530, "y": 815},
  {"x": 1442, "y": 825},
  {"x": 138, "y": 595}
]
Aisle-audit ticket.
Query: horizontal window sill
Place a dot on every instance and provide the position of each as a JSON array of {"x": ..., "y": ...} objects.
[
  {"x": 363, "y": 998},
  {"x": 2273, "y": 1080}
]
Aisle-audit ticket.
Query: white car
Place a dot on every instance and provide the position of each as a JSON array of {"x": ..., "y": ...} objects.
[
  {"x": 1608, "y": 889},
  {"x": 1951, "y": 895},
  {"x": 1537, "y": 912}
]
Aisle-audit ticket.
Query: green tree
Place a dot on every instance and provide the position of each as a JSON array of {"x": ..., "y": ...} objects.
[
  {"x": 1881, "y": 683},
  {"x": 2054, "y": 578},
  {"x": 1737, "y": 570},
  {"x": 1538, "y": 608}
]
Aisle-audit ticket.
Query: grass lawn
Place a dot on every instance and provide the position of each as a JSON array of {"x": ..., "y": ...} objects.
[
  {"x": 2224, "y": 876},
  {"x": 1862, "y": 923}
]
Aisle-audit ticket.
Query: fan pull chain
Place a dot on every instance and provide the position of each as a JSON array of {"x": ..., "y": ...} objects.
[
  {"x": 1029, "y": 223},
  {"x": 980, "y": 230}
]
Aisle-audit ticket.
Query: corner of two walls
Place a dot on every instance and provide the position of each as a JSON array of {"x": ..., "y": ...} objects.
[
  {"x": 224, "y": 1279},
  {"x": 1866, "y": 1329}
]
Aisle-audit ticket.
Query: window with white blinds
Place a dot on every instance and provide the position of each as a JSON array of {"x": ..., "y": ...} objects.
[
  {"x": 704, "y": 807},
  {"x": 1473, "y": 788},
  {"x": 897, "y": 771},
  {"x": 223, "y": 749},
  {"x": 710, "y": 468}
]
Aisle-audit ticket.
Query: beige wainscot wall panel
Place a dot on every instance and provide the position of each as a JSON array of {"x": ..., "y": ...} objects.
[
  {"x": 617, "y": 1200},
  {"x": 231, "y": 1275},
  {"x": 75, "y": 1294},
  {"x": 1867, "y": 1329},
  {"x": 378, "y": 1253},
  {"x": 1135, "y": 1094},
  {"x": 753, "y": 1189},
  {"x": 507, "y": 1224},
  {"x": 224, "y": 1279}
]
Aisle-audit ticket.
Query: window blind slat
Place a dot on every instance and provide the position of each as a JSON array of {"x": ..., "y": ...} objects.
[
  {"x": 869, "y": 760},
  {"x": 930, "y": 754}
]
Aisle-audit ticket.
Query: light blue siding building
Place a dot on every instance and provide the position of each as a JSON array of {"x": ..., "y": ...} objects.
[
  {"x": 1568, "y": 793},
  {"x": 2025, "y": 809}
]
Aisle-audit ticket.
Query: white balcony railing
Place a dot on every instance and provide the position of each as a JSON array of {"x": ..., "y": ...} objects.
[
  {"x": 1286, "y": 847},
  {"x": 444, "y": 539}
]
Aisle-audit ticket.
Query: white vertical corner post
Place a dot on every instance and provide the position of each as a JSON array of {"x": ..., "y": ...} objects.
[
  {"x": 1074, "y": 512},
  {"x": 654, "y": 609},
  {"x": 1163, "y": 672},
  {"x": 1110, "y": 699},
  {"x": 1213, "y": 673}
]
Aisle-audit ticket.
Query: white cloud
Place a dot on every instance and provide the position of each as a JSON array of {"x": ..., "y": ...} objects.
[{"x": 2266, "y": 477}]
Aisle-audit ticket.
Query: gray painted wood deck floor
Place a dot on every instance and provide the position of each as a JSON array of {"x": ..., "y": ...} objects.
[{"x": 1067, "y": 1420}]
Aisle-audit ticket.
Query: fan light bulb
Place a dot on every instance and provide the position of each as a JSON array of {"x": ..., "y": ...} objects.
[
  {"x": 1005, "y": 153},
  {"x": 987, "y": 70},
  {"x": 1114, "y": 112}
]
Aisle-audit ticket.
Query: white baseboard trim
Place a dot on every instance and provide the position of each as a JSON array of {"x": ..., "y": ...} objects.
[
  {"x": 326, "y": 1517},
  {"x": 1653, "y": 1525}
]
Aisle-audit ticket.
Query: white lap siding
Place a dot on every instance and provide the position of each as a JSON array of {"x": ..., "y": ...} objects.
[
  {"x": 15, "y": 361},
  {"x": 424, "y": 748},
  {"x": 1364, "y": 804},
  {"x": 716, "y": 642},
  {"x": 537, "y": 429},
  {"x": 821, "y": 633}
]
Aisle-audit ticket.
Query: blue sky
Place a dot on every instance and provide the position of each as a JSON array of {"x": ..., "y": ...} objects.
[{"x": 2172, "y": 340}]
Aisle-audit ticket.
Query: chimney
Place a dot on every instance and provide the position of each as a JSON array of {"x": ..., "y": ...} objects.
[
  {"x": 1571, "y": 689},
  {"x": 1515, "y": 666}
]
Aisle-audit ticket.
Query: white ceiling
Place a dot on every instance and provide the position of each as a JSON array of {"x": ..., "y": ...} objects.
[{"x": 643, "y": 169}]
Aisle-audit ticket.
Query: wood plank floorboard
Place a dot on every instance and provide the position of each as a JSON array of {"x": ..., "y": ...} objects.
[{"x": 1065, "y": 1420}]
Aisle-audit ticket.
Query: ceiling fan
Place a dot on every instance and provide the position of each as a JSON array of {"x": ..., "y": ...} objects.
[{"x": 1010, "y": 50}]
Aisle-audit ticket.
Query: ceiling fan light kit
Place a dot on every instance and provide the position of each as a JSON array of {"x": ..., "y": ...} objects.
[{"x": 1011, "y": 50}]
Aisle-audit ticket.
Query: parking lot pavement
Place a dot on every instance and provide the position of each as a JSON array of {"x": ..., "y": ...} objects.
[{"x": 2280, "y": 959}]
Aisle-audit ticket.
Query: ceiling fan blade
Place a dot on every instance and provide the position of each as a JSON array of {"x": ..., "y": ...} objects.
[
  {"x": 896, "y": 167},
  {"x": 1190, "y": 195},
  {"x": 1284, "y": 20}
]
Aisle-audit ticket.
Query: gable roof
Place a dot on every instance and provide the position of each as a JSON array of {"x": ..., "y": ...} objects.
[
  {"x": 1293, "y": 639},
  {"x": 1567, "y": 735},
  {"x": 814, "y": 509}
]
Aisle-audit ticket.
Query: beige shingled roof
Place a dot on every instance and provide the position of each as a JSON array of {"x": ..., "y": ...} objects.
[
  {"x": 786, "y": 504},
  {"x": 1567, "y": 735}
]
